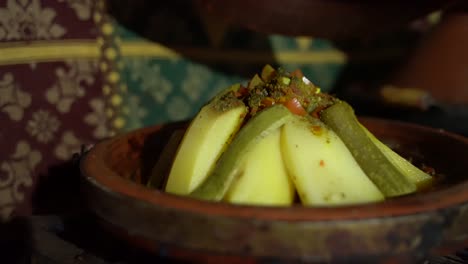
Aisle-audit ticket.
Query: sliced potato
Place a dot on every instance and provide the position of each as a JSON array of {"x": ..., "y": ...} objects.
[
  {"x": 322, "y": 168},
  {"x": 230, "y": 163},
  {"x": 206, "y": 138},
  {"x": 263, "y": 179}
]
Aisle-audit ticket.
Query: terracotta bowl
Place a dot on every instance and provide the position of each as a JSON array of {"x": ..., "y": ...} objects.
[{"x": 401, "y": 229}]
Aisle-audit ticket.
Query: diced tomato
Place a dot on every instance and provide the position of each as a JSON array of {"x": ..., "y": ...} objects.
[
  {"x": 316, "y": 112},
  {"x": 268, "y": 101},
  {"x": 241, "y": 92},
  {"x": 295, "y": 107}
]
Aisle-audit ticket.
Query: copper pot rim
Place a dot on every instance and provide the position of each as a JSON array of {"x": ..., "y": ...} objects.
[{"x": 94, "y": 170}]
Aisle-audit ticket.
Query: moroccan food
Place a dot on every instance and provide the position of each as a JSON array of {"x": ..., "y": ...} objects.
[{"x": 280, "y": 136}]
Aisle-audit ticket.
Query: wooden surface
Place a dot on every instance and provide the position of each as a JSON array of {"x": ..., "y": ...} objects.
[{"x": 77, "y": 239}]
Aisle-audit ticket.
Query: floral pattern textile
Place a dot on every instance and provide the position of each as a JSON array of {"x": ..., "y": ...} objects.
[{"x": 43, "y": 100}]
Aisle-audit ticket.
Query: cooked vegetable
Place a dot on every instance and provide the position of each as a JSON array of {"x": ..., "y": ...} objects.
[
  {"x": 421, "y": 179},
  {"x": 263, "y": 179},
  {"x": 268, "y": 73},
  {"x": 260, "y": 143},
  {"x": 295, "y": 107},
  {"x": 322, "y": 168},
  {"x": 206, "y": 138},
  {"x": 230, "y": 163},
  {"x": 256, "y": 81},
  {"x": 386, "y": 176}
]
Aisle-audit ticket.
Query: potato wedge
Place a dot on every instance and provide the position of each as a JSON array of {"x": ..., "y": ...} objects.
[
  {"x": 263, "y": 179},
  {"x": 230, "y": 163},
  {"x": 206, "y": 138},
  {"x": 322, "y": 168}
]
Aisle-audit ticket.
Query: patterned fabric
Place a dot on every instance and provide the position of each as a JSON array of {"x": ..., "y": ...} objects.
[
  {"x": 71, "y": 74},
  {"x": 50, "y": 97}
]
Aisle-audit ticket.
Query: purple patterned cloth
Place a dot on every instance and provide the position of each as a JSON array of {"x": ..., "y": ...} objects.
[{"x": 51, "y": 99}]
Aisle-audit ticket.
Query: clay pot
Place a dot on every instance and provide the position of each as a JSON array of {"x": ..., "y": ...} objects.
[{"x": 402, "y": 229}]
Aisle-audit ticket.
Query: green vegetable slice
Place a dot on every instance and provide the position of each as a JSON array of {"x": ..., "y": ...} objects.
[
  {"x": 381, "y": 171},
  {"x": 268, "y": 73},
  {"x": 414, "y": 175},
  {"x": 255, "y": 81}
]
